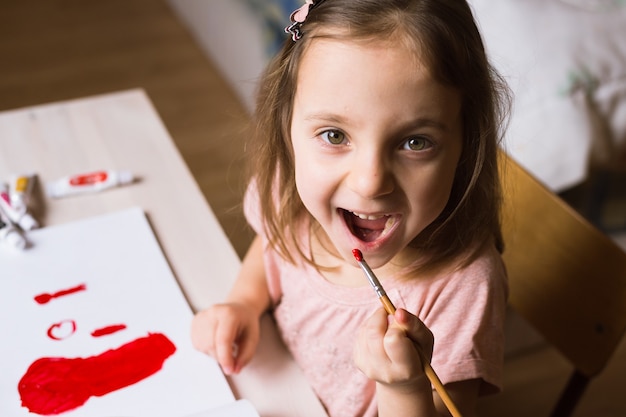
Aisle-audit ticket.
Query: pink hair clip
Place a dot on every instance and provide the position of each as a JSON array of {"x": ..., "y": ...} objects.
[{"x": 299, "y": 16}]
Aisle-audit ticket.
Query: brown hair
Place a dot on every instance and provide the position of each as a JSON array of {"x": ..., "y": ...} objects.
[{"x": 446, "y": 37}]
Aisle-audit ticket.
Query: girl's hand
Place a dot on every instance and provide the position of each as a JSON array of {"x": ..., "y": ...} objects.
[
  {"x": 390, "y": 350},
  {"x": 228, "y": 332}
]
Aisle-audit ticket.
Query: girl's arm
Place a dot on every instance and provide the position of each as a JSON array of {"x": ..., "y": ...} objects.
[
  {"x": 250, "y": 287},
  {"x": 389, "y": 350},
  {"x": 230, "y": 331}
]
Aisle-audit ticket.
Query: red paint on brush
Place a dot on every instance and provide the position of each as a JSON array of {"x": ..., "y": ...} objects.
[
  {"x": 358, "y": 255},
  {"x": 53, "y": 386},
  {"x": 103, "y": 331},
  {"x": 45, "y": 297}
]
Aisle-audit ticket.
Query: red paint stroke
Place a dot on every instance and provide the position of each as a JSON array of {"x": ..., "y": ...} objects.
[
  {"x": 53, "y": 386},
  {"x": 62, "y": 330},
  {"x": 46, "y": 297},
  {"x": 103, "y": 331}
]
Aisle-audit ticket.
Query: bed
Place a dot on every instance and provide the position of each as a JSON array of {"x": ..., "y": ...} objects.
[{"x": 565, "y": 61}]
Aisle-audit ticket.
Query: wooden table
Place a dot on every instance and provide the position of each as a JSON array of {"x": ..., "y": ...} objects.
[{"x": 123, "y": 131}]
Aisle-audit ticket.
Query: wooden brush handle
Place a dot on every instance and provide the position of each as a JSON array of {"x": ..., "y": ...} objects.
[{"x": 445, "y": 397}]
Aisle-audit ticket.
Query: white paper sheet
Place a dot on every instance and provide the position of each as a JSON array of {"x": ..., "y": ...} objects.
[{"x": 117, "y": 278}]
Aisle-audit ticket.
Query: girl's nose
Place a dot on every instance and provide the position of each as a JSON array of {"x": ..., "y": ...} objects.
[{"x": 370, "y": 176}]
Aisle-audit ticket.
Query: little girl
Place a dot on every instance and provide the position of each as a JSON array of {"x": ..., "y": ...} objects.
[{"x": 376, "y": 129}]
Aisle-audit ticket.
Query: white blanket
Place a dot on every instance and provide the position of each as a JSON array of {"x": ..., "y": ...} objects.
[{"x": 565, "y": 61}]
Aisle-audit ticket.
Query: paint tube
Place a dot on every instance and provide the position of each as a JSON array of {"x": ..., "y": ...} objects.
[
  {"x": 20, "y": 190},
  {"x": 88, "y": 183},
  {"x": 9, "y": 233},
  {"x": 20, "y": 217}
]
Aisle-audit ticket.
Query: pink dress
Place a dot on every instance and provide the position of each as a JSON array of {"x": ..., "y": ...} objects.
[{"x": 319, "y": 320}]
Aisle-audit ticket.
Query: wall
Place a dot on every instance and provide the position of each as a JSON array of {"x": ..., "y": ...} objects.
[{"x": 232, "y": 36}]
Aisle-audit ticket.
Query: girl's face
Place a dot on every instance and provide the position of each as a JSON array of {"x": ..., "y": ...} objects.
[{"x": 376, "y": 142}]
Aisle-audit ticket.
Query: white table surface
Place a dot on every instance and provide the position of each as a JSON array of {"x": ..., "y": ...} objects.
[{"x": 123, "y": 131}]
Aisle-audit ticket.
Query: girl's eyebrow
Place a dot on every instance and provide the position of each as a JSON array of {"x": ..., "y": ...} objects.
[
  {"x": 419, "y": 122},
  {"x": 425, "y": 122},
  {"x": 325, "y": 117}
]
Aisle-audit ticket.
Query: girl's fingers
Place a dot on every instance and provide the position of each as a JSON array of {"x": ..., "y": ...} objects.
[
  {"x": 245, "y": 349},
  {"x": 202, "y": 330},
  {"x": 389, "y": 348},
  {"x": 404, "y": 354},
  {"x": 375, "y": 329},
  {"x": 228, "y": 332},
  {"x": 226, "y": 347},
  {"x": 369, "y": 353},
  {"x": 377, "y": 324},
  {"x": 415, "y": 330}
]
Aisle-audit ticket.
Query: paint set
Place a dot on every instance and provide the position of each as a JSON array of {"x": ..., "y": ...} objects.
[{"x": 15, "y": 199}]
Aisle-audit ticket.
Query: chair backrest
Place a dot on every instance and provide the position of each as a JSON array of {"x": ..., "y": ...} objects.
[{"x": 567, "y": 279}]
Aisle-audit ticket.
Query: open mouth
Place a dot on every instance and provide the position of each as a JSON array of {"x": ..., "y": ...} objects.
[{"x": 368, "y": 228}]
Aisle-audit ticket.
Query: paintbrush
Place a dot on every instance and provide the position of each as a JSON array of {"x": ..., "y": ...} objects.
[{"x": 391, "y": 309}]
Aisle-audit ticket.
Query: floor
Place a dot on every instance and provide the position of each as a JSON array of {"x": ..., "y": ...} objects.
[{"x": 62, "y": 49}]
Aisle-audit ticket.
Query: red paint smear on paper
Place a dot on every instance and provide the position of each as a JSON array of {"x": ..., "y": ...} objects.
[
  {"x": 56, "y": 328},
  {"x": 46, "y": 297},
  {"x": 103, "y": 331},
  {"x": 52, "y": 386}
]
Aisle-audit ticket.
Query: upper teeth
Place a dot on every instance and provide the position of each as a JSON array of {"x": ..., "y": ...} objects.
[{"x": 368, "y": 217}]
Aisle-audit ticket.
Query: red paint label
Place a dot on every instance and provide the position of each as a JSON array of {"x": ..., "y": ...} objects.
[
  {"x": 103, "y": 331},
  {"x": 46, "y": 297},
  {"x": 6, "y": 198},
  {"x": 91, "y": 178},
  {"x": 53, "y": 386}
]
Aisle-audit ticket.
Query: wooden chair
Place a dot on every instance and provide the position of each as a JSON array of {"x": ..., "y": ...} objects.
[{"x": 567, "y": 279}]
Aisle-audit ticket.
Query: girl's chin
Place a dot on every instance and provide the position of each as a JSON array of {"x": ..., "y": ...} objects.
[
  {"x": 375, "y": 258},
  {"x": 377, "y": 253}
]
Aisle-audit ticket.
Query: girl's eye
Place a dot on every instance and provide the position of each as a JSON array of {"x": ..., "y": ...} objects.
[
  {"x": 334, "y": 137},
  {"x": 417, "y": 143}
]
